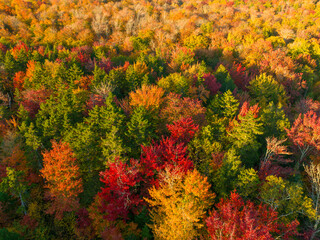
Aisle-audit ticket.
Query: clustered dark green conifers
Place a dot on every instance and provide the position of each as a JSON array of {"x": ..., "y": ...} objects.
[{"x": 230, "y": 87}]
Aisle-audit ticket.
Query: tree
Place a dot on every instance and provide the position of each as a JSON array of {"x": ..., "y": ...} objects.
[
  {"x": 15, "y": 183},
  {"x": 183, "y": 130},
  {"x": 273, "y": 162},
  {"x": 62, "y": 177},
  {"x": 224, "y": 105},
  {"x": 287, "y": 198},
  {"x": 149, "y": 97},
  {"x": 235, "y": 219},
  {"x": 32, "y": 99},
  {"x": 274, "y": 121},
  {"x": 243, "y": 133},
  {"x": 179, "y": 204},
  {"x": 175, "y": 107},
  {"x": 119, "y": 194},
  {"x": 313, "y": 171},
  {"x": 58, "y": 114},
  {"x": 211, "y": 83},
  {"x": 305, "y": 134},
  {"x": 175, "y": 83},
  {"x": 140, "y": 130},
  {"x": 265, "y": 89},
  {"x": 224, "y": 78}
]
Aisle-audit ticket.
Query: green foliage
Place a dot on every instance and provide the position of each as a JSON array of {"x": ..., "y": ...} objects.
[
  {"x": 97, "y": 133},
  {"x": 223, "y": 77},
  {"x": 136, "y": 76},
  {"x": 207, "y": 28},
  {"x": 243, "y": 138},
  {"x": 274, "y": 121},
  {"x": 99, "y": 76},
  {"x": 265, "y": 89},
  {"x": 196, "y": 42},
  {"x": 15, "y": 184},
  {"x": 287, "y": 198},
  {"x": 6, "y": 235},
  {"x": 224, "y": 106},
  {"x": 248, "y": 183},
  {"x": 201, "y": 149},
  {"x": 142, "y": 41},
  {"x": 58, "y": 114},
  {"x": 225, "y": 179},
  {"x": 140, "y": 131},
  {"x": 176, "y": 83}
]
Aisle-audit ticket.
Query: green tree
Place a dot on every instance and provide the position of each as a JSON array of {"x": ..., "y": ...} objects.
[
  {"x": 140, "y": 131},
  {"x": 225, "y": 79},
  {"x": 15, "y": 184},
  {"x": 265, "y": 89},
  {"x": 243, "y": 137},
  {"x": 274, "y": 121},
  {"x": 58, "y": 114}
]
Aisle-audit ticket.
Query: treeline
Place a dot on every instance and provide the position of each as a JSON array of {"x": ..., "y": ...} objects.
[{"x": 159, "y": 119}]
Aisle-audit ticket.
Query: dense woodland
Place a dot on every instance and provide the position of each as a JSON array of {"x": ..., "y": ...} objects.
[{"x": 159, "y": 119}]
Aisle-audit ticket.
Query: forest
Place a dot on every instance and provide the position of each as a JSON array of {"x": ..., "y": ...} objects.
[{"x": 159, "y": 119}]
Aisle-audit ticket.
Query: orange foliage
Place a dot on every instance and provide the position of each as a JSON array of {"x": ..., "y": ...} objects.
[
  {"x": 61, "y": 172},
  {"x": 149, "y": 97},
  {"x": 18, "y": 80}
]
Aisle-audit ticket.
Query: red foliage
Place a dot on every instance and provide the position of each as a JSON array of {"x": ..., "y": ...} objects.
[
  {"x": 84, "y": 82},
  {"x": 245, "y": 108},
  {"x": 305, "y": 133},
  {"x": 18, "y": 48},
  {"x": 269, "y": 168},
  {"x": 239, "y": 75},
  {"x": 307, "y": 104},
  {"x": 211, "y": 82},
  {"x": 84, "y": 224},
  {"x": 183, "y": 130},
  {"x": 61, "y": 204},
  {"x": 29, "y": 222},
  {"x": 105, "y": 64},
  {"x": 118, "y": 195},
  {"x": 95, "y": 100},
  {"x": 235, "y": 219},
  {"x": 176, "y": 108},
  {"x": 3, "y": 48},
  {"x": 111, "y": 233},
  {"x": 157, "y": 157},
  {"x": 31, "y": 100},
  {"x": 83, "y": 58}
]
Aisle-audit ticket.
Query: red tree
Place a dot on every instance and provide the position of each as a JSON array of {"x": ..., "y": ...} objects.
[
  {"x": 183, "y": 130},
  {"x": 119, "y": 194},
  {"x": 305, "y": 134},
  {"x": 212, "y": 84},
  {"x": 235, "y": 219},
  {"x": 31, "y": 100}
]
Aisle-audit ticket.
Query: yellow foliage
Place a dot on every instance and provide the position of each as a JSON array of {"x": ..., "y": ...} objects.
[{"x": 179, "y": 205}]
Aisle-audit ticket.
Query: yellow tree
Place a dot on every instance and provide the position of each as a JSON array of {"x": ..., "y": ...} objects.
[{"x": 179, "y": 205}]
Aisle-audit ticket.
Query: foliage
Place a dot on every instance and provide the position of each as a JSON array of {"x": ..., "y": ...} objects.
[
  {"x": 178, "y": 206},
  {"x": 243, "y": 220}
]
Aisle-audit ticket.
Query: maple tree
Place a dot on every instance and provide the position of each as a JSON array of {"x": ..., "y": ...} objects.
[
  {"x": 305, "y": 134},
  {"x": 62, "y": 177},
  {"x": 117, "y": 196},
  {"x": 235, "y": 218}
]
